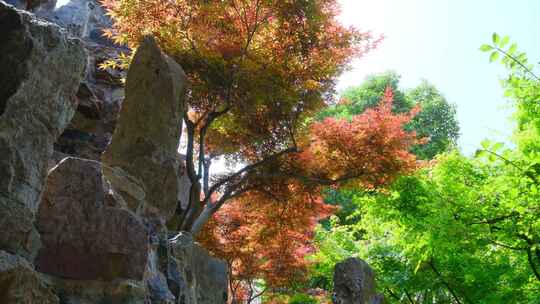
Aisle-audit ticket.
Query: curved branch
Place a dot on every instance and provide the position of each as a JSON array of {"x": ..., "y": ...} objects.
[
  {"x": 514, "y": 59},
  {"x": 439, "y": 275},
  {"x": 247, "y": 168},
  {"x": 531, "y": 263}
]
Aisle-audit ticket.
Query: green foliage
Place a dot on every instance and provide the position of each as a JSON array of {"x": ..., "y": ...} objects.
[
  {"x": 436, "y": 122},
  {"x": 301, "y": 298},
  {"x": 460, "y": 230},
  {"x": 367, "y": 95}
]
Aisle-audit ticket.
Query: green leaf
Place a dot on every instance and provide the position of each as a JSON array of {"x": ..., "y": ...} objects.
[
  {"x": 494, "y": 56},
  {"x": 504, "y": 41},
  {"x": 512, "y": 49},
  {"x": 485, "y": 144},
  {"x": 480, "y": 153},
  {"x": 486, "y": 48},
  {"x": 495, "y": 38},
  {"x": 497, "y": 146}
]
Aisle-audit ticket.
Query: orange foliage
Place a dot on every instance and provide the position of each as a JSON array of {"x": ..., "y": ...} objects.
[
  {"x": 258, "y": 71},
  {"x": 370, "y": 149},
  {"x": 270, "y": 61},
  {"x": 265, "y": 233}
]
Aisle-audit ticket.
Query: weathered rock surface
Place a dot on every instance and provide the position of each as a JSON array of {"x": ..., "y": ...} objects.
[
  {"x": 354, "y": 283},
  {"x": 143, "y": 150},
  {"x": 82, "y": 237},
  {"x": 194, "y": 276},
  {"x": 82, "y": 18},
  {"x": 19, "y": 283},
  {"x": 102, "y": 237},
  {"x": 101, "y": 92},
  {"x": 100, "y": 292},
  {"x": 32, "y": 4},
  {"x": 41, "y": 71}
]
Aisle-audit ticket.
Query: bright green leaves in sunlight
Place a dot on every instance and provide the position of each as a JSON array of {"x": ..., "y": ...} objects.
[{"x": 460, "y": 229}]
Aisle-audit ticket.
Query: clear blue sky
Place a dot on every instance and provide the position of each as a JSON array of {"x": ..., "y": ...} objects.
[{"x": 438, "y": 40}]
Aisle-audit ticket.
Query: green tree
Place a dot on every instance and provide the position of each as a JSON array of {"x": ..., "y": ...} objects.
[
  {"x": 461, "y": 230},
  {"x": 436, "y": 122}
]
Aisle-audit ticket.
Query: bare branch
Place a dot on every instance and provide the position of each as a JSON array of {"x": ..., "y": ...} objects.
[{"x": 248, "y": 168}]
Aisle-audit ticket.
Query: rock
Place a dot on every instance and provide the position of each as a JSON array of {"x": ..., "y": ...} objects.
[
  {"x": 156, "y": 281},
  {"x": 93, "y": 292},
  {"x": 101, "y": 92},
  {"x": 41, "y": 71},
  {"x": 19, "y": 283},
  {"x": 32, "y": 5},
  {"x": 144, "y": 145},
  {"x": 83, "y": 238},
  {"x": 82, "y": 18},
  {"x": 354, "y": 283},
  {"x": 194, "y": 276},
  {"x": 100, "y": 97}
]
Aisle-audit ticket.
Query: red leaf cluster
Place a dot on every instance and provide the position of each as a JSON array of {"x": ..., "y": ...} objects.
[
  {"x": 370, "y": 149},
  {"x": 266, "y": 233}
]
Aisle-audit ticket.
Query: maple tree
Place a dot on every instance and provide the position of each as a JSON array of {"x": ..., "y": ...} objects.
[
  {"x": 266, "y": 233},
  {"x": 258, "y": 70}
]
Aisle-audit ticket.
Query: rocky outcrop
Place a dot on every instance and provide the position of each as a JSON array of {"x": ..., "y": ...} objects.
[
  {"x": 41, "y": 71},
  {"x": 83, "y": 237},
  {"x": 101, "y": 224},
  {"x": 354, "y": 283},
  {"x": 144, "y": 149},
  {"x": 101, "y": 91},
  {"x": 193, "y": 275},
  {"x": 19, "y": 283}
]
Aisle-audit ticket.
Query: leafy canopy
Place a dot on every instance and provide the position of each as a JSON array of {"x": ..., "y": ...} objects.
[
  {"x": 437, "y": 121},
  {"x": 259, "y": 70},
  {"x": 460, "y": 230}
]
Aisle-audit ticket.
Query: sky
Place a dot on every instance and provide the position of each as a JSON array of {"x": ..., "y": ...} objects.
[{"x": 438, "y": 40}]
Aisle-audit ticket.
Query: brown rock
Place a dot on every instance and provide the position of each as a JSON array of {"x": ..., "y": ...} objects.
[
  {"x": 144, "y": 145},
  {"x": 19, "y": 283},
  {"x": 82, "y": 237}
]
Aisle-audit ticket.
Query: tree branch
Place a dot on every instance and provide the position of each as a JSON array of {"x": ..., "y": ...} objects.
[
  {"x": 439, "y": 275},
  {"x": 409, "y": 297},
  {"x": 248, "y": 168},
  {"x": 189, "y": 149},
  {"x": 531, "y": 263},
  {"x": 519, "y": 63}
]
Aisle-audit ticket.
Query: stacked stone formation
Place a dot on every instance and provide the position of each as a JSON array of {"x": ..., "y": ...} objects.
[{"x": 101, "y": 222}]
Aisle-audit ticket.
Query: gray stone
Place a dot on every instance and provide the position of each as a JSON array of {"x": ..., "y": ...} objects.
[
  {"x": 354, "y": 283},
  {"x": 99, "y": 292},
  {"x": 41, "y": 71},
  {"x": 32, "y": 5},
  {"x": 144, "y": 145},
  {"x": 82, "y": 18},
  {"x": 19, "y": 283},
  {"x": 101, "y": 93},
  {"x": 194, "y": 276},
  {"x": 83, "y": 238}
]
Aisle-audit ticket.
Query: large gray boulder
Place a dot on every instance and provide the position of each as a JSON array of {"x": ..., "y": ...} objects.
[
  {"x": 354, "y": 283},
  {"x": 41, "y": 69},
  {"x": 19, "y": 283},
  {"x": 84, "y": 235},
  {"x": 143, "y": 151}
]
